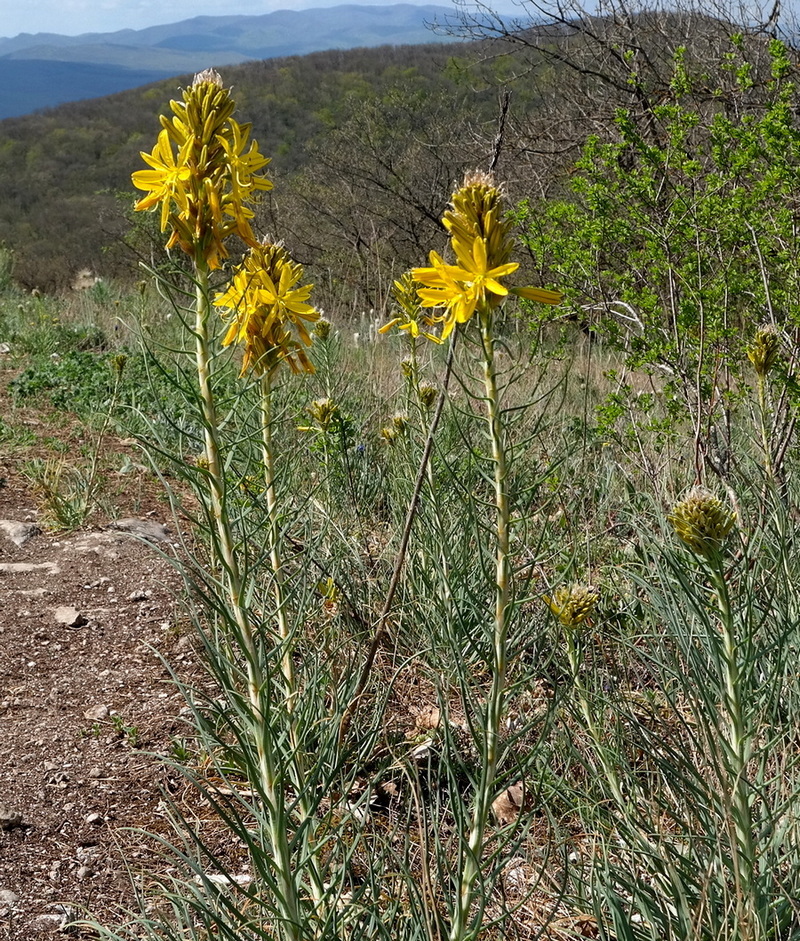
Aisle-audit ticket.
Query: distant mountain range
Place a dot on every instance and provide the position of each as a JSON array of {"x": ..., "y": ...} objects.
[{"x": 47, "y": 69}]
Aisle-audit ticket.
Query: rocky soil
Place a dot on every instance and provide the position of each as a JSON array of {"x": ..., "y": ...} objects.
[{"x": 87, "y": 706}]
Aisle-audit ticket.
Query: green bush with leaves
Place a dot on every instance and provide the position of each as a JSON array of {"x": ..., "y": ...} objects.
[{"x": 676, "y": 244}]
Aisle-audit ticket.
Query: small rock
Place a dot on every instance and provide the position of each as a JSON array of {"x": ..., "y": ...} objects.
[
  {"x": 43, "y": 922},
  {"x": 19, "y": 533},
  {"x": 5, "y": 348},
  {"x": 217, "y": 879},
  {"x": 83, "y": 872},
  {"x": 9, "y": 817},
  {"x": 144, "y": 529},
  {"x": 69, "y": 616},
  {"x": 96, "y": 713},
  {"x": 506, "y": 807},
  {"x": 8, "y": 898},
  {"x": 11, "y": 568},
  {"x": 139, "y": 595},
  {"x": 95, "y": 772},
  {"x": 94, "y": 819}
]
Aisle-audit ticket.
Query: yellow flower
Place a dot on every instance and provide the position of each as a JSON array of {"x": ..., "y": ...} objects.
[
  {"x": 204, "y": 172},
  {"x": 765, "y": 349},
  {"x": 460, "y": 289},
  {"x": 269, "y": 310},
  {"x": 573, "y": 604},
  {"x": 481, "y": 242},
  {"x": 702, "y": 521},
  {"x": 166, "y": 181},
  {"x": 410, "y": 315}
]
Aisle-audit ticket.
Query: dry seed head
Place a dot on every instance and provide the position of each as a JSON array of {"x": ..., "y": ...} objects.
[
  {"x": 407, "y": 367},
  {"x": 208, "y": 75},
  {"x": 573, "y": 604},
  {"x": 763, "y": 352},
  {"x": 702, "y": 521}
]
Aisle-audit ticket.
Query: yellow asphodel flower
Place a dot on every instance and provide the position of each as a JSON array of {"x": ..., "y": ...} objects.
[
  {"x": 410, "y": 315},
  {"x": 481, "y": 242},
  {"x": 204, "y": 172},
  {"x": 167, "y": 181},
  {"x": 270, "y": 311}
]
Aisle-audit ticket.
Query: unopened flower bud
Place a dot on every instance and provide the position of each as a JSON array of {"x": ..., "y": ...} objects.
[
  {"x": 764, "y": 351},
  {"x": 322, "y": 329},
  {"x": 702, "y": 521},
  {"x": 573, "y": 604},
  {"x": 427, "y": 395}
]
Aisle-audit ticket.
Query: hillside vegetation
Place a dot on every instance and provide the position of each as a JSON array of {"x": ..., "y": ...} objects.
[
  {"x": 493, "y": 568},
  {"x": 66, "y": 171}
]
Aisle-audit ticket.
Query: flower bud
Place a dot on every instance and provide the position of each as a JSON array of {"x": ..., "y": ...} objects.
[
  {"x": 573, "y": 604},
  {"x": 702, "y": 521},
  {"x": 765, "y": 349}
]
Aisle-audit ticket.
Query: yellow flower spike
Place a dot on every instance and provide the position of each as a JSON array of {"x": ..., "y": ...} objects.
[
  {"x": 204, "y": 172},
  {"x": 765, "y": 349},
  {"x": 573, "y": 605},
  {"x": 480, "y": 238},
  {"x": 323, "y": 411},
  {"x": 410, "y": 316},
  {"x": 702, "y": 522},
  {"x": 269, "y": 310}
]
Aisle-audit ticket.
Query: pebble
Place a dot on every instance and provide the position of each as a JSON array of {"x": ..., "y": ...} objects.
[
  {"x": 96, "y": 713},
  {"x": 19, "y": 533},
  {"x": 8, "y": 898},
  {"x": 144, "y": 529},
  {"x": 9, "y": 817},
  {"x": 69, "y": 616}
]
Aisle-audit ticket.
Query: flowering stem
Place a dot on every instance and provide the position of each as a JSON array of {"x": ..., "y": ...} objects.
[
  {"x": 763, "y": 410},
  {"x": 297, "y": 764},
  {"x": 736, "y": 750},
  {"x": 269, "y": 779},
  {"x": 287, "y": 666},
  {"x": 461, "y": 929}
]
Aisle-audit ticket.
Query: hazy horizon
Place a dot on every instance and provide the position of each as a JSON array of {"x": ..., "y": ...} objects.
[{"x": 76, "y": 17}]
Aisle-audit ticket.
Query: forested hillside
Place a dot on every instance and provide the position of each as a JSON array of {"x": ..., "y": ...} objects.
[
  {"x": 366, "y": 144},
  {"x": 63, "y": 170}
]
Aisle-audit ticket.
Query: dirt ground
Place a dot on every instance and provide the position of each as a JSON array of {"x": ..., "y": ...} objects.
[{"x": 86, "y": 704}]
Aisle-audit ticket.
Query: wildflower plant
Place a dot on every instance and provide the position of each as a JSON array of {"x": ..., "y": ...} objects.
[
  {"x": 473, "y": 286},
  {"x": 764, "y": 355},
  {"x": 204, "y": 177}
]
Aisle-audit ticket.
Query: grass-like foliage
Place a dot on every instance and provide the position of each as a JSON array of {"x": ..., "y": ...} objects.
[{"x": 481, "y": 661}]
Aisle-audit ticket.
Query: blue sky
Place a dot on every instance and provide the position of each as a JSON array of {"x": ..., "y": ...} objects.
[{"x": 72, "y": 17}]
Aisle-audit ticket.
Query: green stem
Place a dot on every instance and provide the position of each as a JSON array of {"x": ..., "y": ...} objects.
[
  {"x": 291, "y": 692},
  {"x": 269, "y": 779},
  {"x": 461, "y": 927},
  {"x": 737, "y": 752},
  {"x": 273, "y": 535},
  {"x": 763, "y": 410}
]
